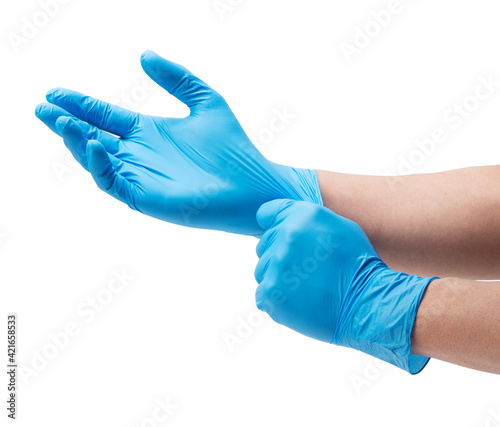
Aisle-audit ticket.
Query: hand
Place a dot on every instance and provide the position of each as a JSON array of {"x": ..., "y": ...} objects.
[
  {"x": 319, "y": 275},
  {"x": 200, "y": 171}
]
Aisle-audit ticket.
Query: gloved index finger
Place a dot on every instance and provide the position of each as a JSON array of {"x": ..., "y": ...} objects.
[{"x": 108, "y": 117}]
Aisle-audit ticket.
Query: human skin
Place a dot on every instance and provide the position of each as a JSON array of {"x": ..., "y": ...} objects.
[
  {"x": 439, "y": 224},
  {"x": 443, "y": 224},
  {"x": 458, "y": 321}
]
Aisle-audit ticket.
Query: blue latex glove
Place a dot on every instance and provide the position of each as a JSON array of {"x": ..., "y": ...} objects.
[
  {"x": 200, "y": 171},
  {"x": 319, "y": 275}
]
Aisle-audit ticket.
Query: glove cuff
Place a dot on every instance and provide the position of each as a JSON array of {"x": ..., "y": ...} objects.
[
  {"x": 381, "y": 319},
  {"x": 298, "y": 184},
  {"x": 308, "y": 179}
]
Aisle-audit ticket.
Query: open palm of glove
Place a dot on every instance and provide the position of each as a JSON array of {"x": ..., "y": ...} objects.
[{"x": 199, "y": 171}]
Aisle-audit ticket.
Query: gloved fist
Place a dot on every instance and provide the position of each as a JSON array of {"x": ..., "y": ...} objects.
[
  {"x": 201, "y": 171},
  {"x": 319, "y": 275}
]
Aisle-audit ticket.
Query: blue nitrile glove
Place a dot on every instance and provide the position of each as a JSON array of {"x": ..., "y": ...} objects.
[
  {"x": 319, "y": 275},
  {"x": 200, "y": 171}
]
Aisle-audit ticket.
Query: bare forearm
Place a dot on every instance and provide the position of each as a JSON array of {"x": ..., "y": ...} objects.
[
  {"x": 445, "y": 224},
  {"x": 458, "y": 321}
]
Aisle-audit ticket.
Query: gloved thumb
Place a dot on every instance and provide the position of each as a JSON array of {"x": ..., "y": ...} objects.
[
  {"x": 105, "y": 175},
  {"x": 177, "y": 80},
  {"x": 100, "y": 165},
  {"x": 269, "y": 213}
]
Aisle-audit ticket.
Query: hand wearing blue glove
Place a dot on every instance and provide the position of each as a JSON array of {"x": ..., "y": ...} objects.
[
  {"x": 319, "y": 275},
  {"x": 200, "y": 171}
]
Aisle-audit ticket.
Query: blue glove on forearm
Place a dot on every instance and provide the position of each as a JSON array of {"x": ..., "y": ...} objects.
[
  {"x": 319, "y": 275},
  {"x": 201, "y": 171}
]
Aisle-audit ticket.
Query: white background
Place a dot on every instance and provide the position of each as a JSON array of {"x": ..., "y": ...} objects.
[{"x": 163, "y": 336}]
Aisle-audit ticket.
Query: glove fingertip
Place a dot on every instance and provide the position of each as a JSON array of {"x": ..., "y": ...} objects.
[
  {"x": 99, "y": 165},
  {"x": 149, "y": 62},
  {"x": 51, "y": 94},
  {"x": 39, "y": 110},
  {"x": 147, "y": 55},
  {"x": 262, "y": 300},
  {"x": 259, "y": 298},
  {"x": 62, "y": 122},
  {"x": 97, "y": 153}
]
